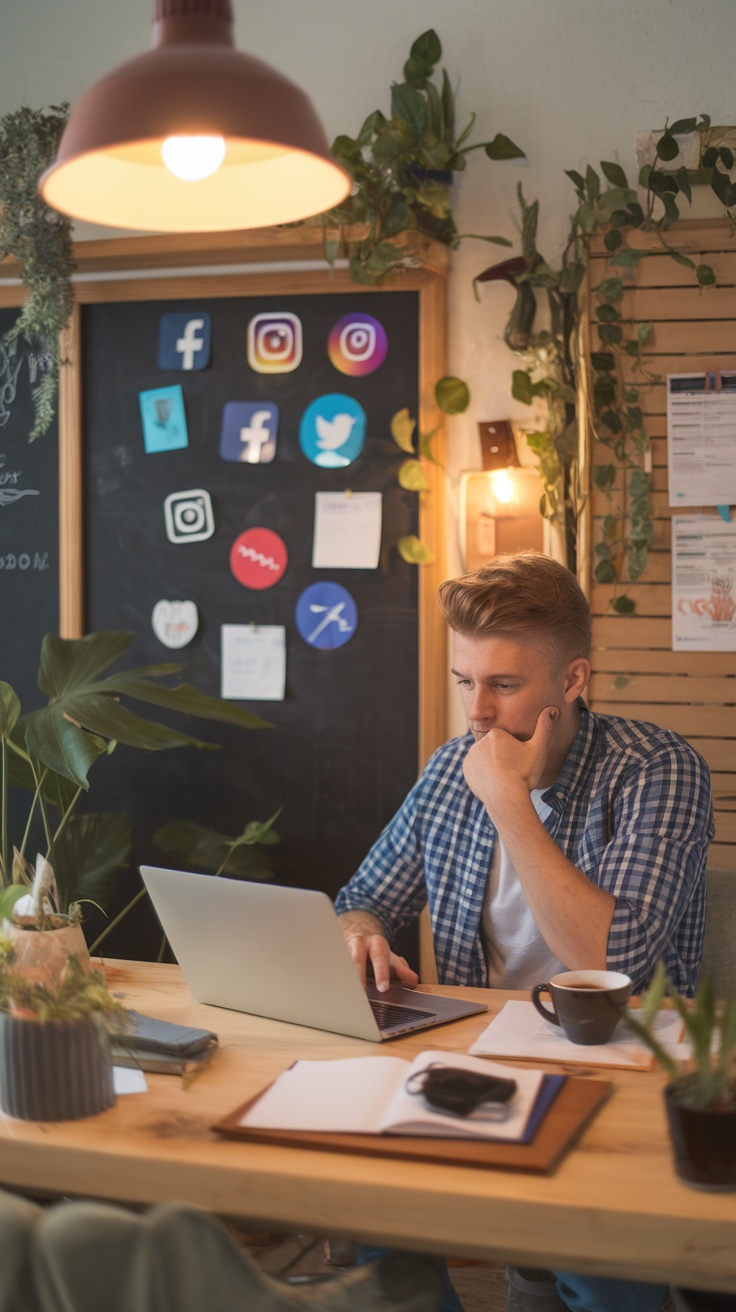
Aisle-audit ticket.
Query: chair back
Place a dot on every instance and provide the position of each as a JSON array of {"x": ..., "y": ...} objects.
[{"x": 719, "y": 952}]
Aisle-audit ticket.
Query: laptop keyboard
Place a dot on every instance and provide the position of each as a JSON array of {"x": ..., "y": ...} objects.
[{"x": 388, "y": 1014}]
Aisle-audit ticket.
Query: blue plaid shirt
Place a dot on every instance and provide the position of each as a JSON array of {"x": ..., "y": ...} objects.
[{"x": 631, "y": 809}]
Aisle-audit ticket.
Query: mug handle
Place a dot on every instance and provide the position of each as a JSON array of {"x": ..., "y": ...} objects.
[{"x": 548, "y": 1015}]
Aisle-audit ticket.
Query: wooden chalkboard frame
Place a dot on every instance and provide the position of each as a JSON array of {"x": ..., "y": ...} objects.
[{"x": 266, "y": 261}]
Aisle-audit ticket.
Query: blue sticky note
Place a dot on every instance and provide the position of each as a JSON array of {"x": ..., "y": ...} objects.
[
  {"x": 725, "y": 513},
  {"x": 164, "y": 420},
  {"x": 326, "y": 616},
  {"x": 249, "y": 430},
  {"x": 184, "y": 340}
]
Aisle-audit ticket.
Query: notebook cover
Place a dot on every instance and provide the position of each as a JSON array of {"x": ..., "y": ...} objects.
[{"x": 575, "y": 1103}]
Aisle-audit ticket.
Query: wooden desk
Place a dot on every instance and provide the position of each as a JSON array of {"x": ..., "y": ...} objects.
[{"x": 613, "y": 1206}]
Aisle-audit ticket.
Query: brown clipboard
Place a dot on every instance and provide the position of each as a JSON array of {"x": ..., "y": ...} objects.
[{"x": 573, "y": 1108}]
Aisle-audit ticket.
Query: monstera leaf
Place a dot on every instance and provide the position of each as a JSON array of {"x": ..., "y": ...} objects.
[
  {"x": 206, "y": 849},
  {"x": 88, "y": 855},
  {"x": 86, "y": 714}
]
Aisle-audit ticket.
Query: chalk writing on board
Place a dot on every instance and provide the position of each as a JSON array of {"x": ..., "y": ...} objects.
[{"x": 39, "y": 561}]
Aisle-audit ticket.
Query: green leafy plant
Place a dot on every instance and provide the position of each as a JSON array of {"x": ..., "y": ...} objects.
[
  {"x": 709, "y": 1078},
  {"x": 402, "y": 167},
  {"x": 77, "y": 992},
  {"x": 51, "y": 751},
  {"x": 606, "y": 379},
  {"x": 40, "y": 239},
  {"x": 452, "y": 397}
]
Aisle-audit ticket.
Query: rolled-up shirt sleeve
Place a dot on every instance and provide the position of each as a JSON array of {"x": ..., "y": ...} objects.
[
  {"x": 390, "y": 882},
  {"x": 654, "y": 867}
]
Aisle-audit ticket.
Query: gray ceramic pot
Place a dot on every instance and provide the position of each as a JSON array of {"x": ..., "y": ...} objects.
[{"x": 57, "y": 1070}]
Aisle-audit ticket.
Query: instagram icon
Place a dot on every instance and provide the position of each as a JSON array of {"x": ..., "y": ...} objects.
[
  {"x": 357, "y": 345},
  {"x": 275, "y": 342}
]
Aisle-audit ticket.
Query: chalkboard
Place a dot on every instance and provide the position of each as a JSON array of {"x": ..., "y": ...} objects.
[
  {"x": 29, "y": 523},
  {"x": 343, "y": 750}
]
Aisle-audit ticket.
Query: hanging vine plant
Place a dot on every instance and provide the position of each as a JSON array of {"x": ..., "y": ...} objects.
[
  {"x": 40, "y": 239},
  {"x": 608, "y": 209}
]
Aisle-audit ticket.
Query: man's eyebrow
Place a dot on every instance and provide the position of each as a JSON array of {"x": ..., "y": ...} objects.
[{"x": 515, "y": 676}]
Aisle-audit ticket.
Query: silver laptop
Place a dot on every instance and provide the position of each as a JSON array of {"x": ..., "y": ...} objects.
[{"x": 280, "y": 952}]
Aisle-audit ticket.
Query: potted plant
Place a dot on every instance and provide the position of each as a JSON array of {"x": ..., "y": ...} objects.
[
  {"x": 50, "y": 753},
  {"x": 40, "y": 239},
  {"x": 402, "y": 168},
  {"x": 55, "y": 1062},
  {"x": 700, "y": 1098}
]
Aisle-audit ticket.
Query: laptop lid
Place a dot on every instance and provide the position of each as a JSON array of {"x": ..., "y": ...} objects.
[{"x": 279, "y": 952}]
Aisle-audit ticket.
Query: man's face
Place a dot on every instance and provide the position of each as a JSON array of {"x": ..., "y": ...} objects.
[{"x": 506, "y": 681}]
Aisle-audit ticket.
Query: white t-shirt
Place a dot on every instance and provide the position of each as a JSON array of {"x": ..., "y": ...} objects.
[{"x": 517, "y": 955}]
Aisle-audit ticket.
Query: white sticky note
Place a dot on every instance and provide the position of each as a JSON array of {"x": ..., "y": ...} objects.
[
  {"x": 126, "y": 1079},
  {"x": 253, "y": 659},
  {"x": 347, "y": 530}
]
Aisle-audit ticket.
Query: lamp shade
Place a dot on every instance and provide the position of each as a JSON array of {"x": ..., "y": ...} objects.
[{"x": 276, "y": 166}]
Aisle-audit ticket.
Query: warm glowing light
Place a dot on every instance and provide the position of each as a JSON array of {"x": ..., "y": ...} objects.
[
  {"x": 502, "y": 486},
  {"x": 193, "y": 158}
]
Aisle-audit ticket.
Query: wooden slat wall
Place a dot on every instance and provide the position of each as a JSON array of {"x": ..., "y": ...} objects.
[{"x": 693, "y": 693}]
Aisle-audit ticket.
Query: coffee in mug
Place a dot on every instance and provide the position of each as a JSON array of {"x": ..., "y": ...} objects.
[{"x": 587, "y": 1003}]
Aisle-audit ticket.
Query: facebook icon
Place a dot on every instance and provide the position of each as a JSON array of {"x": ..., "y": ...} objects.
[
  {"x": 184, "y": 340},
  {"x": 248, "y": 432}
]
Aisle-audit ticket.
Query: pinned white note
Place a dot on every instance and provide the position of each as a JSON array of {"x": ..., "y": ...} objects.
[
  {"x": 347, "y": 530},
  {"x": 253, "y": 661}
]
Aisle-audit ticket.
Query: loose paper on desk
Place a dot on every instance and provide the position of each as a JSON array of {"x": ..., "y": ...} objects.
[
  {"x": 519, "y": 1031},
  {"x": 127, "y": 1080},
  {"x": 347, "y": 530},
  {"x": 703, "y": 583},
  {"x": 366, "y": 1095},
  {"x": 701, "y": 439},
  {"x": 253, "y": 662}
]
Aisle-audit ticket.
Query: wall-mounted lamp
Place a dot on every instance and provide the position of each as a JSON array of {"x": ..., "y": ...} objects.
[
  {"x": 193, "y": 137},
  {"x": 499, "y": 506}
]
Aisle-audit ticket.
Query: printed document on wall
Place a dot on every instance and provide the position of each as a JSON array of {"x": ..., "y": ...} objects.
[
  {"x": 701, "y": 439},
  {"x": 703, "y": 583},
  {"x": 253, "y": 662}
]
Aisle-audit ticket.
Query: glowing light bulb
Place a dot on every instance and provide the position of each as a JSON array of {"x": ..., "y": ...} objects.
[
  {"x": 503, "y": 486},
  {"x": 193, "y": 158}
]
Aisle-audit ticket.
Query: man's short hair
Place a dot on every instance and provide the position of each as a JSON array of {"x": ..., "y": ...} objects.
[{"x": 524, "y": 593}]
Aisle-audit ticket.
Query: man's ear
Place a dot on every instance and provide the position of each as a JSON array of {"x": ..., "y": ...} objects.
[{"x": 577, "y": 676}]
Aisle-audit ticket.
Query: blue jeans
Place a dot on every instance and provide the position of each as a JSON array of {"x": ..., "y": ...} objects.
[{"x": 581, "y": 1293}]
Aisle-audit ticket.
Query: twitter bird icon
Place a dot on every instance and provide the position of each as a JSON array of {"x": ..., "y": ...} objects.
[{"x": 332, "y": 430}]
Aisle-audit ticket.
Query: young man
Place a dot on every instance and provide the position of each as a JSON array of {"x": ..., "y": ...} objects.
[{"x": 547, "y": 838}]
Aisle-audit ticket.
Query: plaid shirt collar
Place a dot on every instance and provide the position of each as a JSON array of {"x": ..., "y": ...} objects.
[{"x": 579, "y": 763}]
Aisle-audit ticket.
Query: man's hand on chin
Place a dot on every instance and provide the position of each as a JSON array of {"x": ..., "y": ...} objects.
[{"x": 500, "y": 767}]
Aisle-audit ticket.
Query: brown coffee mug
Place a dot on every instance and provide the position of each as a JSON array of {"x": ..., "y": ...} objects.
[{"x": 587, "y": 1003}]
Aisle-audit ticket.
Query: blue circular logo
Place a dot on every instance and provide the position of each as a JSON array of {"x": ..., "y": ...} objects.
[
  {"x": 326, "y": 616},
  {"x": 332, "y": 430}
]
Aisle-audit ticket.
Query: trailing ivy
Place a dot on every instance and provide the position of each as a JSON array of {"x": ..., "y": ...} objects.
[
  {"x": 608, "y": 210},
  {"x": 40, "y": 239}
]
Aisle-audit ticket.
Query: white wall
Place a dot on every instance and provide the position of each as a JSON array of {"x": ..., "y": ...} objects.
[{"x": 570, "y": 81}]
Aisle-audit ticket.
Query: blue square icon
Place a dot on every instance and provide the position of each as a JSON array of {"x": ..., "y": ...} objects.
[
  {"x": 164, "y": 419},
  {"x": 248, "y": 432},
  {"x": 184, "y": 340}
]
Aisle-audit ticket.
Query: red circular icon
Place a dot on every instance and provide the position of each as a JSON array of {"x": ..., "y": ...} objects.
[{"x": 258, "y": 558}]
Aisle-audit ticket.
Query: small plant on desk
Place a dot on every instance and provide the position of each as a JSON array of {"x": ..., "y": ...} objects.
[{"x": 701, "y": 1096}]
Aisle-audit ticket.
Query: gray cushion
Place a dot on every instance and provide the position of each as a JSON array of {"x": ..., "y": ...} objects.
[{"x": 719, "y": 953}]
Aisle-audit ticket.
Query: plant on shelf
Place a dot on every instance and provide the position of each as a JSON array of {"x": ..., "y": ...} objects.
[
  {"x": 402, "y": 168},
  {"x": 40, "y": 239},
  {"x": 701, "y": 1095},
  {"x": 452, "y": 398},
  {"x": 557, "y": 369},
  {"x": 50, "y": 753}
]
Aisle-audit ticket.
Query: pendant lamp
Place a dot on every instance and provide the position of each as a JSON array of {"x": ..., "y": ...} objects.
[{"x": 193, "y": 137}]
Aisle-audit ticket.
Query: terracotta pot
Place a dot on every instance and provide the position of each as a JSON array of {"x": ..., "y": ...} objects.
[
  {"x": 703, "y": 1143},
  {"x": 41, "y": 954},
  {"x": 56, "y": 1070}
]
